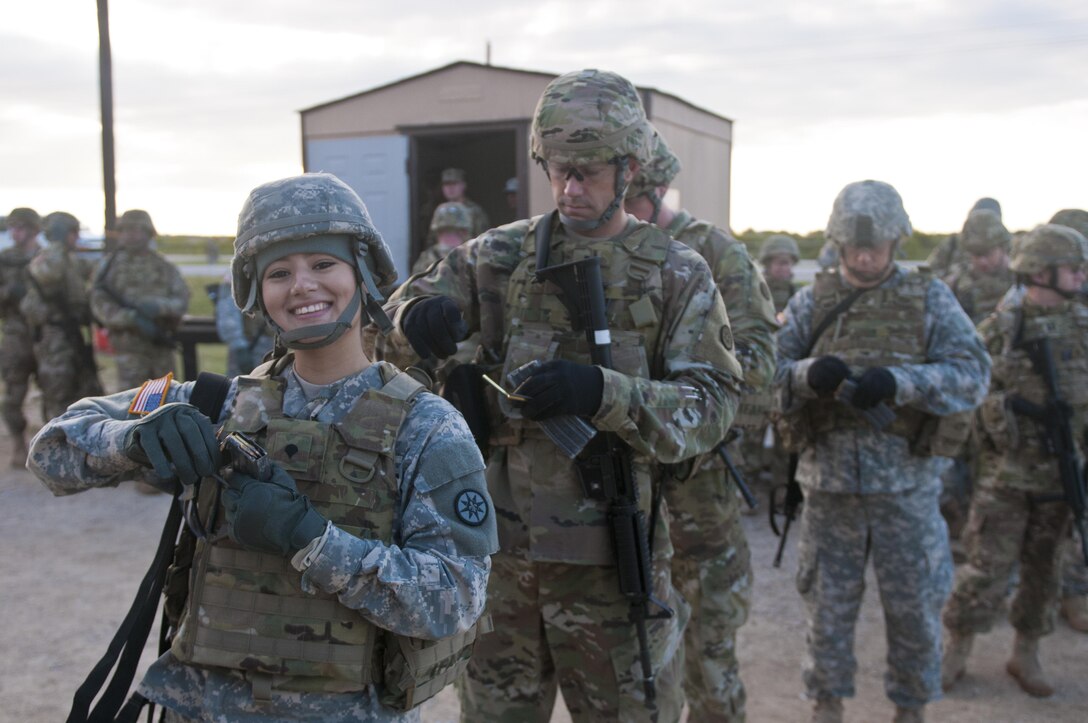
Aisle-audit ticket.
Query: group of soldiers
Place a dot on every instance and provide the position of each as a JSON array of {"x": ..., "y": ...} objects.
[
  {"x": 51, "y": 294},
  {"x": 621, "y": 339}
]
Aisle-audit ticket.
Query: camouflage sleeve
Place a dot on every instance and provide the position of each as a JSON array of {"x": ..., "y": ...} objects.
[
  {"x": 84, "y": 447},
  {"x": 228, "y": 319},
  {"x": 175, "y": 302},
  {"x": 692, "y": 399},
  {"x": 791, "y": 372},
  {"x": 106, "y": 310},
  {"x": 956, "y": 373},
  {"x": 432, "y": 582},
  {"x": 751, "y": 313},
  {"x": 48, "y": 268}
]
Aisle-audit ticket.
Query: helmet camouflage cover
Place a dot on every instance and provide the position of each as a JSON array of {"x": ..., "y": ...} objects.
[
  {"x": 1049, "y": 245},
  {"x": 24, "y": 216},
  {"x": 300, "y": 207},
  {"x": 778, "y": 243},
  {"x": 983, "y": 232},
  {"x": 660, "y": 171},
  {"x": 452, "y": 215},
  {"x": 137, "y": 218},
  {"x": 868, "y": 214},
  {"x": 58, "y": 225},
  {"x": 1075, "y": 218},
  {"x": 590, "y": 116}
]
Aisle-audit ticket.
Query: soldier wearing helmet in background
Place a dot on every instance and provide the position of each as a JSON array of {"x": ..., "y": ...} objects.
[
  {"x": 17, "y": 363},
  {"x": 140, "y": 298},
  {"x": 370, "y": 531},
  {"x": 870, "y": 337},
  {"x": 712, "y": 565},
  {"x": 451, "y": 225},
  {"x": 950, "y": 257},
  {"x": 560, "y": 617},
  {"x": 453, "y": 190},
  {"x": 57, "y": 310},
  {"x": 1018, "y": 512},
  {"x": 982, "y": 282},
  {"x": 779, "y": 254}
]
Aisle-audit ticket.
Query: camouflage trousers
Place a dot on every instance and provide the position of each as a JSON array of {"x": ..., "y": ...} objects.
[
  {"x": 907, "y": 539},
  {"x": 1006, "y": 526},
  {"x": 712, "y": 569},
  {"x": 17, "y": 365},
  {"x": 567, "y": 627},
  {"x": 139, "y": 360},
  {"x": 62, "y": 372},
  {"x": 1074, "y": 571}
]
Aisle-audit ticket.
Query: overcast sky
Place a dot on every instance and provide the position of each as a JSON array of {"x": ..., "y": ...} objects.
[{"x": 947, "y": 100}]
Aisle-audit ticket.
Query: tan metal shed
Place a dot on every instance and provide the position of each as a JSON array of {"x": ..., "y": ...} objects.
[{"x": 391, "y": 143}]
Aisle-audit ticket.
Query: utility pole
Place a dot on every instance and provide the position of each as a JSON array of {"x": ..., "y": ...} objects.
[{"x": 105, "y": 85}]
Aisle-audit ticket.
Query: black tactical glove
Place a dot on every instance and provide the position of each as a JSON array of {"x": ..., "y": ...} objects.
[
  {"x": 270, "y": 516},
  {"x": 434, "y": 326},
  {"x": 875, "y": 385},
  {"x": 826, "y": 374},
  {"x": 147, "y": 328},
  {"x": 562, "y": 387},
  {"x": 149, "y": 309},
  {"x": 176, "y": 440}
]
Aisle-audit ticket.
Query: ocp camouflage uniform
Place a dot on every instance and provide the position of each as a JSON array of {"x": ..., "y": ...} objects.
[
  {"x": 143, "y": 283},
  {"x": 554, "y": 594},
  {"x": 1006, "y": 523},
  {"x": 712, "y": 564},
  {"x": 430, "y": 256},
  {"x": 57, "y": 309},
  {"x": 17, "y": 363},
  {"x": 421, "y": 574},
  {"x": 781, "y": 292},
  {"x": 867, "y": 491},
  {"x": 480, "y": 221},
  {"x": 979, "y": 294}
]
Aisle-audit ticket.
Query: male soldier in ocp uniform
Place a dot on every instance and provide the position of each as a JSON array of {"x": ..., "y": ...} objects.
[
  {"x": 451, "y": 225},
  {"x": 17, "y": 363},
  {"x": 140, "y": 298},
  {"x": 872, "y": 333},
  {"x": 56, "y": 308},
  {"x": 779, "y": 254},
  {"x": 1018, "y": 512},
  {"x": 949, "y": 256},
  {"x": 712, "y": 565},
  {"x": 453, "y": 190},
  {"x": 560, "y": 618},
  {"x": 982, "y": 282}
]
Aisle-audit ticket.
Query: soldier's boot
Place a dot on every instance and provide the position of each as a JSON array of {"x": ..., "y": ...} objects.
[
  {"x": 957, "y": 648},
  {"x": 1024, "y": 666},
  {"x": 19, "y": 451},
  {"x": 909, "y": 715},
  {"x": 1075, "y": 612},
  {"x": 827, "y": 710}
]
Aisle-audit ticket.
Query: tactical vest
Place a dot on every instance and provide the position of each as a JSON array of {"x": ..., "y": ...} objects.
[
  {"x": 979, "y": 295},
  {"x": 883, "y": 327},
  {"x": 246, "y": 610},
  {"x": 781, "y": 293},
  {"x": 537, "y": 326}
]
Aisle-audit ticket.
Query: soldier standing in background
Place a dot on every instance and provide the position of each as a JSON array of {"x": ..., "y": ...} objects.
[
  {"x": 1010, "y": 517},
  {"x": 247, "y": 336},
  {"x": 451, "y": 225},
  {"x": 555, "y": 596},
  {"x": 983, "y": 280},
  {"x": 949, "y": 256},
  {"x": 140, "y": 298},
  {"x": 17, "y": 363},
  {"x": 712, "y": 565},
  {"x": 779, "y": 254},
  {"x": 57, "y": 310},
  {"x": 453, "y": 190},
  {"x": 897, "y": 338}
]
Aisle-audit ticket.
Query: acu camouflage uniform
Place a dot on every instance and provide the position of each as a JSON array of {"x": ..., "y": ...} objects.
[
  {"x": 246, "y": 335},
  {"x": 139, "y": 283},
  {"x": 17, "y": 363},
  {"x": 871, "y": 492},
  {"x": 398, "y": 557},
  {"x": 712, "y": 566},
  {"x": 1009, "y": 521},
  {"x": 58, "y": 311}
]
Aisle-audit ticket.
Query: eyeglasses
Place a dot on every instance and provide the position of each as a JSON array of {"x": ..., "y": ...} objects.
[{"x": 578, "y": 172}]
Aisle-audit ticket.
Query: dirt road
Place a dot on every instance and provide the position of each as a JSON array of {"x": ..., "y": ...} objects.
[{"x": 70, "y": 567}]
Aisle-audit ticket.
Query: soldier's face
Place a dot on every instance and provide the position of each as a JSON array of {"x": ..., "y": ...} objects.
[
  {"x": 1070, "y": 278},
  {"x": 990, "y": 262},
  {"x": 307, "y": 289},
  {"x": 641, "y": 207},
  {"x": 453, "y": 190},
  {"x": 21, "y": 233},
  {"x": 451, "y": 237},
  {"x": 780, "y": 267},
  {"x": 133, "y": 237},
  {"x": 583, "y": 192},
  {"x": 866, "y": 266}
]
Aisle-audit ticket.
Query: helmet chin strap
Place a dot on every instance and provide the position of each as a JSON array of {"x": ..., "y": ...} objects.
[
  {"x": 328, "y": 332},
  {"x": 1052, "y": 285},
  {"x": 575, "y": 224}
]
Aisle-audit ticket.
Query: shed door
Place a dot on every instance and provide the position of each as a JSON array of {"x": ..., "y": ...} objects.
[{"x": 376, "y": 167}]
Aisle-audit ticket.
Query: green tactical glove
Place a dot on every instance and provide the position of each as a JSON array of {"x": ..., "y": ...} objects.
[
  {"x": 270, "y": 516},
  {"x": 147, "y": 328},
  {"x": 150, "y": 309},
  {"x": 175, "y": 440}
]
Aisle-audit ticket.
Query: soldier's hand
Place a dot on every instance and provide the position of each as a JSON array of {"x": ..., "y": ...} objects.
[
  {"x": 146, "y": 327},
  {"x": 875, "y": 385},
  {"x": 270, "y": 516},
  {"x": 434, "y": 326},
  {"x": 177, "y": 441},
  {"x": 827, "y": 373},
  {"x": 150, "y": 309},
  {"x": 562, "y": 387}
]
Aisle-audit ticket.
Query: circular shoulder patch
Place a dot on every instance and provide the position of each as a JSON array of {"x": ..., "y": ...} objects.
[
  {"x": 471, "y": 507},
  {"x": 727, "y": 337}
]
